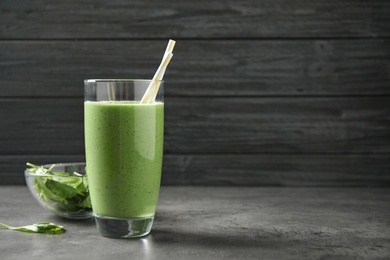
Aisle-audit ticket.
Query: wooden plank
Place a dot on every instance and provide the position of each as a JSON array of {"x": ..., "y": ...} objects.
[
  {"x": 41, "y": 126},
  {"x": 242, "y": 170},
  {"x": 278, "y": 125},
  {"x": 277, "y": 170},
  {"x": 201, "y": 19},
  {"x": 214, "y": 125},
  {"x": 200, "y": 68}
]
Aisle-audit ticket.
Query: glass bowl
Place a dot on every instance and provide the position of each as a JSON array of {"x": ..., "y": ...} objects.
[{"x": 61, "y": 189}]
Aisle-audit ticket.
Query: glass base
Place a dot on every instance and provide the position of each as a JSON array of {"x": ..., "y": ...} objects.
[{"x": 123, "y": 228}]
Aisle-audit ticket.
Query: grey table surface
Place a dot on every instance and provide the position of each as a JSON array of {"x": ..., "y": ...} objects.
[{"x": 218, "y": 223}]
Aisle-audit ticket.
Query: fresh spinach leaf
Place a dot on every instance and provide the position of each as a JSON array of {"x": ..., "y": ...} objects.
[
  {"x": 41, "y": 227},
  {"x": 61, "y": 190}
]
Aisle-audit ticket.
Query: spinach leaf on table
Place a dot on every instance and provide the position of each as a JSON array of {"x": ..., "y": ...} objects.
[{"x": 41, "y": 227}]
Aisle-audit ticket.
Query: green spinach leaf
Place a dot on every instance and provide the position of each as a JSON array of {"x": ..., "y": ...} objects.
[{"x": 41, "y": 227}]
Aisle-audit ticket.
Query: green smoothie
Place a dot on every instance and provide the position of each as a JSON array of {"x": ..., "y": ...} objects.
[{"x": 124, "y": 146}]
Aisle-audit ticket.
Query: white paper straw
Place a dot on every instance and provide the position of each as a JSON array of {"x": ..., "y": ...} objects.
[{"x": 151, "y": 92}]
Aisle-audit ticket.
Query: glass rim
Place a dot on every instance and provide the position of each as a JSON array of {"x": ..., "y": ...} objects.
[{"x": 119, "y": 80}]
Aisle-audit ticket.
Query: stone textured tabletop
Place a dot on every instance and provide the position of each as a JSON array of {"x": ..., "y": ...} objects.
[{"x": 218, "y": 223}]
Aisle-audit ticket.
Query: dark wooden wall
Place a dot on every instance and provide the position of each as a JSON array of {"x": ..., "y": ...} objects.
[{"x": 259, "y": 92}]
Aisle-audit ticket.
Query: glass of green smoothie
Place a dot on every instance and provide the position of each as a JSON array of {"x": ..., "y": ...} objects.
[{"x": 124, "y": 150}]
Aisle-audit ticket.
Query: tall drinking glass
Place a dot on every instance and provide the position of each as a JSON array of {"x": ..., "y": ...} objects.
[{"x": 124, "y": 150}]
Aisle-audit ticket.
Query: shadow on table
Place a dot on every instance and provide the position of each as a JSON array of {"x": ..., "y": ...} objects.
[
  {"x": 74, "y": 222},
  {"x": 201, "y": 239},
  {"x": 236, "y": 238},
  {"x": 173, "y": 229}
]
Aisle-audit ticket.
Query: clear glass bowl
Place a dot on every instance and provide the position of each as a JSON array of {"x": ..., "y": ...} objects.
[{"x": 61, "y": 189}]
